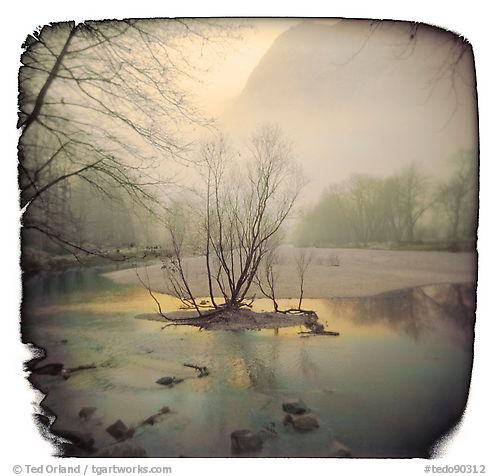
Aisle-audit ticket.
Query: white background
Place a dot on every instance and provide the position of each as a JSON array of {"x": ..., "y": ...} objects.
[{"x": 473, "y": 443}]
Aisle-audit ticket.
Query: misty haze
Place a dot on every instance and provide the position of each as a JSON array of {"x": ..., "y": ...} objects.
[{"x": 248, "y": 237}]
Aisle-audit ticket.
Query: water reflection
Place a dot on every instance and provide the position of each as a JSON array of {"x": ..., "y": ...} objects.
[
  {"x": 72, "y": 284},
  {"x": 414, "y": 312},
  {"x": 306, "y": 365},
  {"x": 252, "y": 364},
  {"x": 397, "y": 352}
]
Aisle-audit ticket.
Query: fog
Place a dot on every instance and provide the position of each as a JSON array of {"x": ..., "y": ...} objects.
[
  {"x": 351, "y": 96},
  {"x": 362, "y": 98},
  {"x": 115, "y": 115}
]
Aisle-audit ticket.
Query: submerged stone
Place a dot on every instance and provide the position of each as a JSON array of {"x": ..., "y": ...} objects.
[
  {"x": 119, "y": 430},
  {"x": 169, "y": 380},
  {"x": 246, "y": 441},
  {"x": 339, "y": 450},
  {"x": 296, "y": 407},
  {"x": 302, "y": 423},
  {"x": 86, "y": 412}
]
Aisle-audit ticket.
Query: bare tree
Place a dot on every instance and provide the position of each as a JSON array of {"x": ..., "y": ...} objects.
[
  {"x": 302, "y": 259},
  {"x": 248, "y": 212},
  {"x": 457, "y": 197},
  {"x": 392, "y": 192},
  {"x": 406, "y": 199},
  {"x": 243, "y": 215},
  {"x": 363, "y": 206},
  {"x": 455, "y": 71},
  {"x": 174, "y": 264},
  {"x": 102, "y": 103},
  {"x": 267, "y": 276}
]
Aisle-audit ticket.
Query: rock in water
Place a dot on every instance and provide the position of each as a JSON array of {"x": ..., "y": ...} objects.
[
  {"x": 169, "y": 381},
  {"x": 119, "y": 430},
  {"x": 86, "y": 413},
  {"x": 302, "y": 422},
  {"x": 122, "y": 450},
  {"x": 244, "y": 441},
  {"x": 339, "y": 450},
  {"x": 297, "y": 407}
]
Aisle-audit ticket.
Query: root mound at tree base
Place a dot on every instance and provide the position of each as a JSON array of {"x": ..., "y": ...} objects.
[{"x": 239, "y": 319}]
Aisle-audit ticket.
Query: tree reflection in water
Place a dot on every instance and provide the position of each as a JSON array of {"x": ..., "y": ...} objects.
[{"x": 415, "y": 312}]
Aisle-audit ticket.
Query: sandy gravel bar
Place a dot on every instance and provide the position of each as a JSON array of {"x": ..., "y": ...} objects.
[{"x": 338, "y": 272}]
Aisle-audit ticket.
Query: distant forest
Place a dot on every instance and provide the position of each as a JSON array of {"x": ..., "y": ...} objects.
[
  {"x": 402, "y": 210},
  {"x": 406, "y": 210}
]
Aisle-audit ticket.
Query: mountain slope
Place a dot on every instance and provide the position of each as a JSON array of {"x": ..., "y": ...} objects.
[{"x": 361, "y": 98}]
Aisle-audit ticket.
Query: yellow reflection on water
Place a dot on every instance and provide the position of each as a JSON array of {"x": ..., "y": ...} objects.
[
  {"x": 340, "y": 315},
  {"x": 238, "y": 373},
  {"x": 128, "y": 300}
]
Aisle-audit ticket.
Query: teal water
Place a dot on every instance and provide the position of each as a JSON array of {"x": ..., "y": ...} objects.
[{"x": 390, "y": 385}]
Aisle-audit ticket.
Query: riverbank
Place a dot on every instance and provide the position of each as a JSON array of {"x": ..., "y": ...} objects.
[
  {"x": 35, "y": 261},
  {"x": 335, "y": 272}
]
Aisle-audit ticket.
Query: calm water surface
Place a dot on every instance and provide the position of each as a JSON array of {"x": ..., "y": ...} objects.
[{"x": 395, "y": 380}]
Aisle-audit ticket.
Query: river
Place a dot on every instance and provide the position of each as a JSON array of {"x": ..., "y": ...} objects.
[{"x": 393, "y": 382}]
